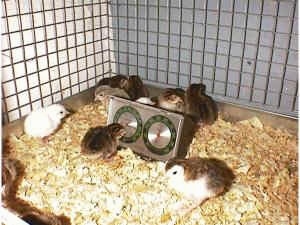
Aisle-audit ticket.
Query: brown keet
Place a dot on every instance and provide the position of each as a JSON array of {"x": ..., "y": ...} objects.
[
  {"x": 135, "y": 88},
  {"x": 118, "y": 81},
  {"x": 132, "y": 85},
  {"x": 198, "y": 178},
  {"x": 103, "y": 92},
  {"x": 102, "y": 141},
  {"x": 111, "y": 86},
  {"x": 172, "y": 99},
  {"x": 12, "y": 174},
  {"x": 33, "y": 215},
  {"x": 37, "y": 218},
  {"x": 199, "y": 106}
]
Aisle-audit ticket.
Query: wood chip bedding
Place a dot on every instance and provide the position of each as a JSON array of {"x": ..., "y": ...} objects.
[{"x": 129, "y": 190}]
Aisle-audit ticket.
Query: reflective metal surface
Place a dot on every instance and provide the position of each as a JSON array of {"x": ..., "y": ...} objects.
[
  {"x": 129, "y": 122},
  {"x": 159, "y": 135},
  {"x": 152, "y": 132}
]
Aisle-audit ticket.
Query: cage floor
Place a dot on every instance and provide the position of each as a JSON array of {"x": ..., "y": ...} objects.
[{"x": 129, "y": 190}]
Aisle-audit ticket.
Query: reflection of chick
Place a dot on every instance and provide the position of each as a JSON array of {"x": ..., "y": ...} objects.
[
  {"x": 198, "y": 178},
  {"x": 102, "y": 141},
  {"x": 172, "y": 100},
  {"x": 199, "y": 106},
  {"x": 136, "y": 88}
]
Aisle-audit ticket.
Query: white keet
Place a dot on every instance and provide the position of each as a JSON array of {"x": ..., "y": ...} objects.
[
  {"x": 198, "y": 179},
  {"x": 196, "y": 190},
  {"x": 44, "y": 121}
]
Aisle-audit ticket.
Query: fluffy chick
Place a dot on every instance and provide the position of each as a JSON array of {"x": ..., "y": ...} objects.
[
  {"x": 102, "y": 141},
  {"x": 199, "y": 106},
  {"x": 172, "y": 99},
  {"x": 44, "y": 121},
  {"x": 103, "y": 92},
  {"x": 132, "y": 85},
  {"x": 36, "y": 218},
  {"x": 118, "y": 81},
  {"x": 12, "y": 173},
  {"x": 199, "y": 179},
  {"x": 135, "y": 88}
]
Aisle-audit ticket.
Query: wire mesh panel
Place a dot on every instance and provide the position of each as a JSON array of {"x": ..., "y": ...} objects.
[
  {"x": 245, "y": 51},
  {"x": 51, "y": 49}
]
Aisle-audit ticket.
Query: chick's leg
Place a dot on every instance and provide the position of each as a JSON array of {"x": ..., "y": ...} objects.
[{"x": 110, "y": 157}]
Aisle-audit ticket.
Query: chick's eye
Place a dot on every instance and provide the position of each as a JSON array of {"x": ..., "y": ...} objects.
[
  {"x": 61, "y": 112},
  {"x": 117, "y": 130},
  {"x": 174, "y": 172}
]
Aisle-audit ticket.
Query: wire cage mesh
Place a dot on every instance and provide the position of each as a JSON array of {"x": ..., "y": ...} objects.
[
  {"x": 51, "y": 50},
  {"x": 245, "y": 51}
]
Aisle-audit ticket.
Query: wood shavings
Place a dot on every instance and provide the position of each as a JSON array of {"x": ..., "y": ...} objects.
[
  {"x": 129, "y": 190},
  {"x": 254, "y": 122}
]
